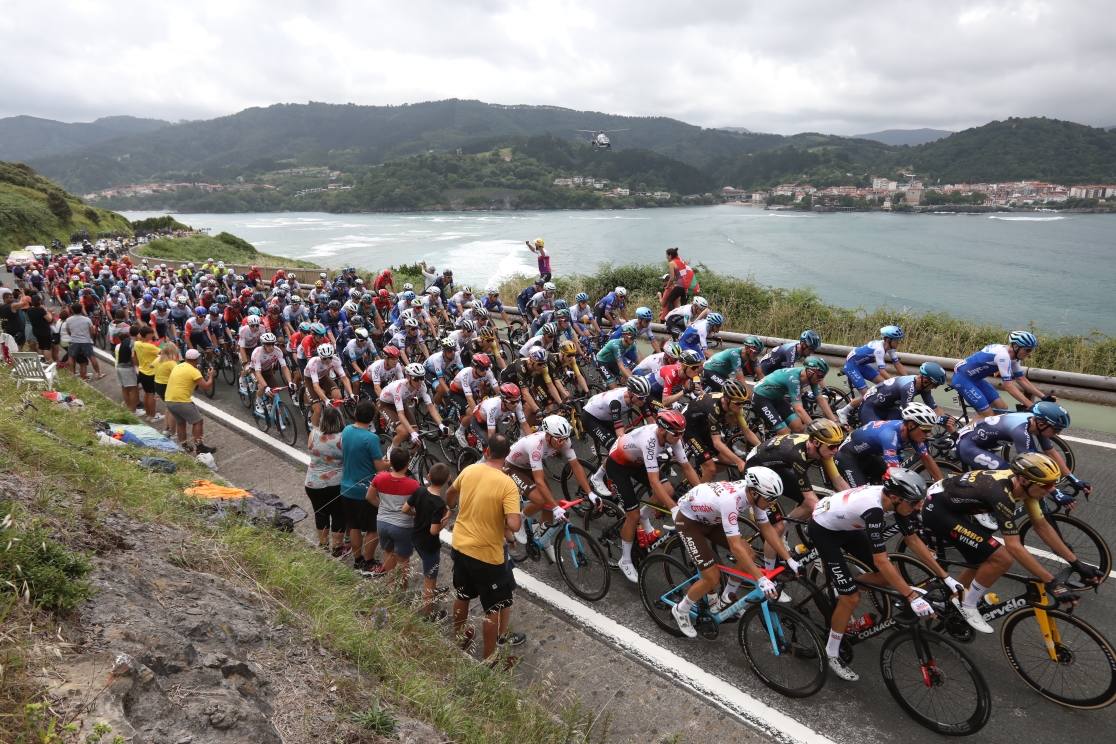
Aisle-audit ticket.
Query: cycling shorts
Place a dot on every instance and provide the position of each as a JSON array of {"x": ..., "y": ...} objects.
[
  {"x": 776, "y": 413},
  {"x": 973, "y": 541},
  {"x": 602, "y": 432},
  {"x": 625, "y": 478},
  {"x": 860, "y": 374},
  {"x": 977, "y": 458},
  {"x": 860, "y": 470},
  {"x": 200, "y": 340},
  {"x": 712, "y": 381},
  {"x": 832, "y": 546},
  {"x": 977, "y": 393},
  {"x": 523, "y": 479},
  {"x": 610, "y": 371},
  {"x": 698, "y": 538},
  {"x": 870, "y": 412},
  {"x": 699, "y": 446}
]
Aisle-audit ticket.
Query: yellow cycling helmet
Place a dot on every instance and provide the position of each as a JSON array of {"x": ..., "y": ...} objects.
[
  {"x": 825, "y": 431},
  {"x": 567, "y": 348},
  {"x": 1036, "y": 468},
  {"x": 734, "y": 391}
]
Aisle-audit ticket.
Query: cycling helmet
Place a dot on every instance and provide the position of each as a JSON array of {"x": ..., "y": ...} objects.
[
  {"x": 825, "y": 431},
  {"x": 408, "y": 313},
  {"x": 701, "y": 302},
  {"x": 549, "y": 329},
  {"x": 200, "y": 311},
  {"x": 487, "y": 332},
  {"x": 621, "y": 292},
  {"x": 537, "y": 354},
  {"x": 357, "y": 321},
  {"x": 734, "y": 391},
  {"x": 817, "y": 364},
  {"x": 253, "y": 320},
  {"x": 567, "y": 348},
  {"x": 319, "y": 329},
  {"x": 933, "y": 372},
  {"x": 214, "y": 310},
  {"x": 892, "y": 332},
  {"x": 476, "y": 304},
  {"x": 764, "y": 482},
  {"x": 268, "y": 338},
  {"x": 408, "y": 295},
  {"x": 509, "y": 391},
  {"x": 480, "y": 312},
  {"x": 468, "y": 325},
  {"x": 323, "y": 275},
  {"x": 690, "y": 358},
  {"x": 383, "y": 293},
  {"x": 671, "y": 420},
  {"x": 811, "y": 339},
  {"x": 920, "y": 414},
  {"x": 392, "y": 352},
  {"x": 672, "y": 349},
  {"x": 904, "y": 484},
  {"x": 628, "y": 329},
  {"x": 639, "y": 386},
  {"x": 562, "y": 314},
  {"x": 556, "y": 426},
  {"x": 432, "y": 289},
  {"x": 361, "y": 334},
  {"x": 1036, "y": 468},
  {"x": 354, "y": 293},
  {"x": 254, "y": 312},
  {"x": 304, "y": 326},
  {"x": 160, "y": 305},
  {"x": 325, "y": 351},
  {"x": 481, "y": 361},
  {"x": 411, "y": 323},
  {"x": 407, "y": 286},
  {"x": 715, "y": 319},
  {"x": 1023, "y": 339},
  {"x": 416, "y": 303},
  {"x": 581, "y": 297},
  {"x": 548, "y": 287},
  {"x": 1051, "y": 413},
  {"x": 492, "y": 292},
  {"x": 753, "y": 342},
  {"x": 415, "y": 371},
  {"x": 334, "y": 305},
  {"x": 643, "y": 313},
  {"x": 224, "y": 299},
  {"x": 448, "y": 344}
]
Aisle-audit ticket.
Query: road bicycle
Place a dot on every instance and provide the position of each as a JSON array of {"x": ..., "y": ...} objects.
[
  {"x": 581, "y": 561},
  {"x": 275, "y": 412}
]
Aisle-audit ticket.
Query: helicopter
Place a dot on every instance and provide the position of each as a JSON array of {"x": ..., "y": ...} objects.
[{"x": 599, "y": 139}]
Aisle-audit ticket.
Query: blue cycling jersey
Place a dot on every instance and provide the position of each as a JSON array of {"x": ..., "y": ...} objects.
[
  {"x": 646, "y": 333},
  {"x": 1010, "y": 428},
  {"x": 987, "y": 362},
  {"x": 880, "y": 438},
  {"x": 694, "y": 337},
  {"x": 493, "y": 305},
  {"x": 781, "y": 357},
  {"x": 872, "y": 352},
  {"x": 608, "y": 302},
  {"x": 897, "y": 392}
]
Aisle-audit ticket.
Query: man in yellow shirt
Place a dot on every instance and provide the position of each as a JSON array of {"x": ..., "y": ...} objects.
[
  {"x": 490, "y": 513},
  {"x": 144, "y": 352},
  {"x": 180, "y": 390}
]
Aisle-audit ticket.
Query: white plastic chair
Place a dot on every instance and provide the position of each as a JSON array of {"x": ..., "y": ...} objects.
[{"x": 28, "y": 369}]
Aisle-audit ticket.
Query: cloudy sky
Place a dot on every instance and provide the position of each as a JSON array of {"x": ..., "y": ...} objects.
[{"x": 841, "y": 67}]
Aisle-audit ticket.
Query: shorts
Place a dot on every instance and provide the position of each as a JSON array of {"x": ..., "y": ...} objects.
[
  {"x": 713, "y": 381},
  {"x": 395, "y": 539},
  {"x": 45, "y": 341},
  {"x": 431, "y": 562},
  {"x": 360, "y": 515},
  {"x": 775, "y": 413},
  {"x": 870, "y": 412},
  {"x": 147, "y": 382},
  {"x": 273, "y": 377},
  {"x": 973, "y": 541},
  {"x": 676, "y": 294},
  {"x": 610, "y": 372},
  {"x": 161, "y": 390},
  {"x": 698, "y": 538},
  {"x": 185, "y": 412},
  {"x": 329, "y": 512},
  {"x": 675, "y": 325},
  {"x": 492, "y": 583},
  {"x": 389, "y": 413},
  {"x": 602, "y": 432},
  {"x": 977, "y": 393},
  {"x": 859, "y": 374},
  {"x": 699, "y": 446},
  {"x": 831, "y": 545},
  {"x": 860, "y": 470},
  {"x": 200, "y": 340},
  {"x": 126, "y": 376},
  {"x": 81, "y": 353},
  {"x": 524, "y": 480},
  {"x": 977, "y": 458},
  {"x": 622, "y": 477},
  {"x": 327, "y": 385}
]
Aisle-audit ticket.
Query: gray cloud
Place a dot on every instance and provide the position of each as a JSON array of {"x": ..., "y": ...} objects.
[{"x": 783, "y": 67}]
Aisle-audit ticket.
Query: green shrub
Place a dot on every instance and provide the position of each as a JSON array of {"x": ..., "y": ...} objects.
[
  {"x": 36, "y": 567},
  {"x": 58, "y": 205}
]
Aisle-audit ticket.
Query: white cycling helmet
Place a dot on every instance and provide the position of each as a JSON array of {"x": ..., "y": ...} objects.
[
  {"x": 433, "y": 289},
  {"x": 415, "y": 370},
  {"x": 621, "y": 292},
  {"x": 550, "y": 287},
  {"x": 253, "y": 320},
  {"x": 765, "y": 482},
  {"x": 557, "y": 427},
  {"x": 411, "y": 323},
  {"x": 407, "y": 286},
  {"x": 361, "y": 334},
  {"x": 267, "y": 338},
  {"x": 325, "y": 351},
  {"x": 701, "y": 301},
  {"x": 920, "y": 414}
]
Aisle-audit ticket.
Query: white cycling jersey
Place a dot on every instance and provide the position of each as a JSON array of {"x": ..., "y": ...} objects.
[
  {"x": 249, "y": 339},
  {"x": 845, "y": 510},
  {"x": 262, "y": 361},
  {"x": 722, "y": 502},
  {"x": 467, "y": 383},
  {"x": 651, "y": 364},
  {"x": 402, "y": 392},
  {"x": 317, "y": 368},
  {"x": 600, "y": 406},
  {"x": 491, "y": 410},
  {"x": 530, "y": 451},
  {"x": 640, "y": 447},
  {"x": 378, "y": 372}
]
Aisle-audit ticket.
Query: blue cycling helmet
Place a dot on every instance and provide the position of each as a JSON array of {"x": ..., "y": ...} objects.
[
  {"x": 892, "y": 332},
  {"x": 318, "y": 329},
  {"x": 561, "y": 305},
  {"x": 148, "y": 297},
  {"x": 200, "y": 311},
  {"x": 1023, "y": 339},
  {"x": 715, "y": 319},
  {"x": 933, "y": 372},
  {"x": 304, "y": 326},
  {"x": 1051, "y": 413},
  {"x": 254, "y": 311},
  {"x": 581, "y": 297},
  {"x": 811, "y": 339},
  {"x": 214, "y": 310},
  {"x": 408, "y": 295},
  {"x": 537, "y": 354},
  {"x": 160, "y": 305},
  {"x": 643, "y": 313}
]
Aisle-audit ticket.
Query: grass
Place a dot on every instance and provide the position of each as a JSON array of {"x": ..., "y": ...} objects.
[
  {"x": 418, "y": 669},
  {"x": 771, "y": 311},
  {"x": 220, "y": 247}
]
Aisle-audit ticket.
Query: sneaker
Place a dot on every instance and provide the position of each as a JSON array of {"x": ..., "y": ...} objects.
[
  {"x": 521, "y": 534},
  {"x": 843, "y": 415},
  {"x": 460, "y": 436},
  {"x": 973, "y": 617},
  {"x": 682, "y": 619},
  {"x": 511, "y": 639},
  {"x": 203, "y": 449},
  {"x": 358, "y": 564},
  {"x": 341, "y": 552},
  {"x": 629, "y": 570},
  {"x": 548, "y": 551},
  {"x": 842, "y": 670},
  {"x": 596, "y": 481}
]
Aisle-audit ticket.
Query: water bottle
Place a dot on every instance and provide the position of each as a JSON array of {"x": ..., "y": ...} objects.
[
  {"x": 864, "y": 622},
  {"x": 546, "y": 534}
]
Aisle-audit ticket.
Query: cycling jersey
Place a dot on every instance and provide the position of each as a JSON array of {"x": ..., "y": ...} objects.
[
  {"x": 860, "y": 509},
  {"x": 983, "y": 492},
  {"x": 491, "y": 410},
  {"x": 880, "y": 438},
  {"x": 529, "y": 452},
  {"x": 786, "y": 455},
  {"x": 402, "y": 392},
  {"x": 683, "y": 312},
  {"x": 979, "y": 443},
  {"x": 610, "y": 405},
  {"x": 724, "y": 363},
  {"x": 646, "y": 333},
  {"x": 608, "y": 303},
  {"x": 493, "y": 305},
  {"x": 614, "y": 351},
  {"x": 318, "y": 368},
  {"x": 780, "y": 357},
  {"x": 783, "y": 383},
  {"x": 864, "y": 362},
  {"x": 357, "y": 354},
  {"x": 403, "y": 340},
  {"x": 705, "y": 416},
  {"x": 379, "y": 373},
  {"x": 262, "y": 361},
  {"x": 720, "y": 502},
  {"x": 887, "y": 398},
  {"x": 439, "y": 367},
  {"x": 650, "y": 364},
  {"x": 249, "y": 338},
  {"x": 672, "y": 377},
  {"x": 520, "y": 373},
  {"x": 695, "y": 336},
  {"x": 466, "y": 381},
  {"x": 639, "y": 448},
  {"x": 990, "y": 360},
  {"x": 195, "y": 327}
]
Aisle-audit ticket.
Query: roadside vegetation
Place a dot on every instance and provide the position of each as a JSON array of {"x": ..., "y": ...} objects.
[
  {"x": 418, "y": 669},
  {"x": 221, "y": 247}
]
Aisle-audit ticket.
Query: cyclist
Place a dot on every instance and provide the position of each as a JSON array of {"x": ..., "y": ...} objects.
[
  {"x": 710, "y": 513},
  {"x": 546, "y": 338},
  {"x": 268, "y": 366},
  {"x": 696, "y": 336},
  {"x": 980, "y": 444},
  {"x": 532, "y": 374},
  {"x": 611, "y": 307},
  {"x": 708, "y": 415},
  {"x": 508, "y": 401},
  {"x": 853, "y": 521},
  {"x": 473, "y": 383},
  {"x": 581, "y": 315},
  {"x": 683, "y": 315},
  {"x": 322, "y": 374},
  {"x": 642, "y": 324},
  {"x": 493, "y": 305},
  {"x": 1005, "y": 359},
  {"x": 634, "y": 460},
  {"x": 777, "y": 397},
  {"x": 248, "y": 338},
  {"x": 618, "y": 356},
  {"x": 875, "y": 447},
  {"x": 951, "y": 514},
  {"x": 884, "y": 401},
  {"x": 525, "y": 296},
  {"x": 650, "y": 365},
  {"x": 524, "y": 464},
  {"x": 385, "y": 370},
  {"x": 866, "y": 364},
  {"x": 603, "y": 419},
  {"x": 785, "y": 355},
  {"x": 358, "y": 353},
  {"x": 441, "y": 367},
  {"x": 679, "y": 379},
  {"x": 398, "y": 395},
  {"x": 542, "y": 301},
  {"x": 727, "y": 364},
  {"x": 563, "y": 364},
  {"x": 410, "y": 341}
]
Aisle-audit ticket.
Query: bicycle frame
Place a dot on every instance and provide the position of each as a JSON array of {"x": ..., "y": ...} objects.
[{"x": 755, "y": 596}]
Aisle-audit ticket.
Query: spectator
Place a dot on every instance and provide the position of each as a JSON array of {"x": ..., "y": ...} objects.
[
  {"x": 323, "y": 481},
  {"x": 429, "y": 275},
  {"x": 489, "y": 515},
  {"x": 80, "y": 330},
  {"x": 39, "y": 318},
  {"x": 680, "y": 284},
  {"x": 165, "y": 363},
  {"x": 430, "y": 515},
  {"x": 539, "y": 249},
  {"x": 361, "y": 458},
  {"x": 145, "y": 352},
  {"x": 388, "y": 492},
  {"x": 184, "y": 378},
  {"x": 126, "y": 366},
  {"x": 11, "y": 322}
]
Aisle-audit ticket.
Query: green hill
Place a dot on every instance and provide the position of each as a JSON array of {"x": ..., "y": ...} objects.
[
  {"x": 26, "y": 137},
  {"x": 35, "y": 211}
]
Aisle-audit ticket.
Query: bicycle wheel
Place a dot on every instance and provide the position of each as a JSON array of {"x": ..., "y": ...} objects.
[
  {"x": 1086, "y": 543},
  {"x": 605, "y": 525},
  {"x": 1083, "y": 674},
  {"x": 228, "y": 367},
  {"x": 1063, "y": 446},
  {"x": 246, "y": 389},
  {"x": 784, "y": 652},
  {"x": 205, "y": 368},
  {"x": 285, "y": 422},
  {"x": 570, "y": 489},
  {"x": 935, "y": 682},
  {"x": 263, "y": 420},
  {"x": 947, "y": 467},
  {"x": 582, "y": 563},
  {"x": 468, "y": 456},
  {"x": 661, "y": 581}
]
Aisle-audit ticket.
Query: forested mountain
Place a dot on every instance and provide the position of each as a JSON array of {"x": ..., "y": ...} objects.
[
  {"x": 29, "y": 137},
  {"x": 901, "y": 137}
]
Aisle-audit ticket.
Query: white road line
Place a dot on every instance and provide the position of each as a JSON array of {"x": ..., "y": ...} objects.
[{"x": 1093, "y": 442}]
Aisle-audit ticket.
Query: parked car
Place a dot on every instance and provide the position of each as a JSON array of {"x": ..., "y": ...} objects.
[
  {"x": 42, "y": 253},
  {"x": 19, "y": 258}
]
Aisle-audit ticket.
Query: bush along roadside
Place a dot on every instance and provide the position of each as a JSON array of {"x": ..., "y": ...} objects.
[
  {"x": 417, "y": 667},
  {"x": 751, "y": 307}
]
